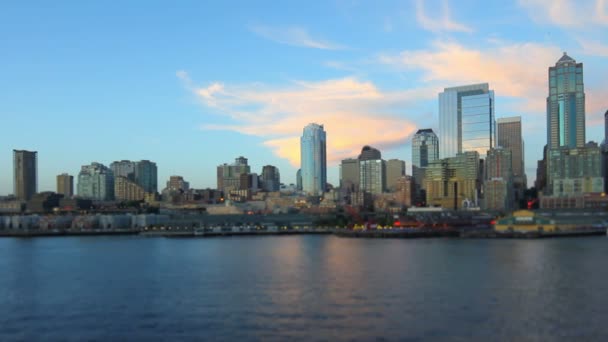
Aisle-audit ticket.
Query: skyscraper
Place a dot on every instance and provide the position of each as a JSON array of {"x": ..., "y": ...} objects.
[
  {"x": 65, "y": 185},
  {"x": 510, "y": 137},
  {"x": 25, "y": 170},
  {"x": 566, "y": 104},
  {"x": 372, "y": 171},
  {"x": 466, "y": 120},
  {"x": 313, "y": 159},
  {"x": 498, "y": 179},
  {"x": 349, "y": 174},
  {"x": 271, "y": 178}
]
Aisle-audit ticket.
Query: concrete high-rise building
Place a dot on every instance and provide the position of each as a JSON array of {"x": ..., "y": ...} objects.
[
  {"x": 498, "y": 180},
  {"x": 404, "y": 191},
  {"x": 177, "y": 183},
  {"x": 299, "y": 180},
  {"x": 229, "y": 175},
  {"x": 349, "y": 174},
  {"x": 605, "y": 153},
  {"x": 566, "y": 104},
  {"x": 271, "y": 178},
  {"x": 25, "y": 172},
  {"x": 96, "y": 182},
  {"x": 372, "y": 171},
  {"x": 395, "y": 169},
  {"x": 143, "y": 173},
  {"x": 466, "y": 120},
  {"x": 313, "y": 159},
  {"x": 65, "y": 185},
  {"x": 509, "y": 136}
]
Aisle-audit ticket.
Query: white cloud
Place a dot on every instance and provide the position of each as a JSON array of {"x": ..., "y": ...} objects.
[
  {"x": 441, "y": 23},
  {"x": 354, "y": 113},
  {"x": 295, "y": 36}
]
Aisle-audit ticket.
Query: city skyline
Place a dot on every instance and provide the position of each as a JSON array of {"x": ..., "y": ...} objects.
[{"x": 77, "y": 91}]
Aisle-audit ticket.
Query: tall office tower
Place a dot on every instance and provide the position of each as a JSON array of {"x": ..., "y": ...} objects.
[
  {"x": 466, "y": 120},
  {"x": 142, "y": 173},
  {"x": 25, "y": 169},
  {"x": 498, "y": 179},
  {"x": 349, "y": 174},
  {"x": 229, "y": 175},
  {"x": 395, "y": 169},
  {"x": 65, "y": 185},
  {"x": 96, "y": 182},
  {"x": 372, "y": 171},
  {"x": 313, "y": 159},
  {"x": 509, "y": 136},
  {"x": 425, "y": 149},
  {"x": 271, "y": 178},
  {"x": 566, "y": 104}
]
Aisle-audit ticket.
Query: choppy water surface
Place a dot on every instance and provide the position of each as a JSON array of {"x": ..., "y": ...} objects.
[{"x": 302, "y": 288}]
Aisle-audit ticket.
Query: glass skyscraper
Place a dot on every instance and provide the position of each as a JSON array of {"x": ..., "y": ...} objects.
[
  {"x": 466, "y": 120},
  {"x": 566, "y": 104},
  {"x": 425, "y": 147},
  {"x": 313, "y": 159}
]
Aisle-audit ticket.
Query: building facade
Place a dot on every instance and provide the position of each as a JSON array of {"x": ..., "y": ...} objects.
[
  {"x": 25, "y": 172},
  {"x": 498, "y": 180},
  {"x": 96, "y": 182},
  {"x": 65, "y": 185},
  {"x": 128, "y": 190},
  {"x": 313, "y": 159},
  {"x": 466, "y": 120},
  {"x": 395, "y": 169},
  {"x": 349, "y": 174},
  {"x": 229, "y": 175},
  {"x": 143, "y": 172},
  {"x": 454, "y": 182},
  {"x": 372, "y": 171},
  {"x": 575, "y": 171}
]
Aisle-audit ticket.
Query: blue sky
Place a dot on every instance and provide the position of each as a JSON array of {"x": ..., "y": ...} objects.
[{"x": 191, "y": 85}]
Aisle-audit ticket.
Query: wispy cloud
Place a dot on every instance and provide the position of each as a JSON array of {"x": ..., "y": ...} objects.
[
  {"x": 568, "y": 13},
  {"x": 354, "y": 112},
  {"x": 295, "y": 36},
  {"x": 449, "y": 63},
  {"x": 442, "y": 22},
  {"x": 593, "y": 47}
]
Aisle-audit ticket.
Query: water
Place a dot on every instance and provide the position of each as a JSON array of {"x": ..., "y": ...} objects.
[{"x": 302, "y": 288}]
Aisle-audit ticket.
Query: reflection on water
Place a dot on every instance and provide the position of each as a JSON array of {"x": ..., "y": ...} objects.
[{"x": 302, "y": 288}]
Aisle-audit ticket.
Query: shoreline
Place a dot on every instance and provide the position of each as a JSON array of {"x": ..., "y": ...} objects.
[{"x": 344, "y": 233}]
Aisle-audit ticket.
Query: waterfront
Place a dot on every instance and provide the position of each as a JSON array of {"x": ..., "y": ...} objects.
[{"x": 302, "y": 288}]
